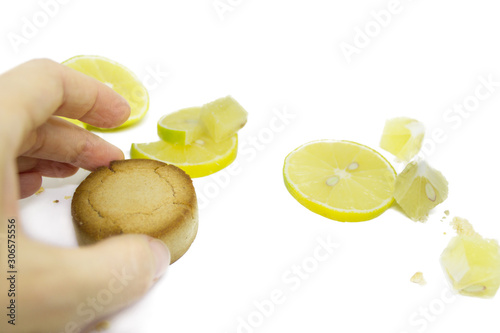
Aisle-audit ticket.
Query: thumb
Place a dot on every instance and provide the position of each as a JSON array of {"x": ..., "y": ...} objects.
[
  {"x": 67, "y": 289},
  {"x": 117, "y": 272}
]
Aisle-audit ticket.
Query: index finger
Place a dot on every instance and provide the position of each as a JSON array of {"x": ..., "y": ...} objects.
[{"x": 39, "y": 88}]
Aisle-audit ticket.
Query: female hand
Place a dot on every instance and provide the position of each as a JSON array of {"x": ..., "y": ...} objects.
[{"x": 62, "y": 289}]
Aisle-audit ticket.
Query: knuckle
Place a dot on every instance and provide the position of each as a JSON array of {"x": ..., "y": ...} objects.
[
  {"x": 43, "y": 63},
  {"x": 80, "y": 153},
  {"x": 36, "y": 142}
]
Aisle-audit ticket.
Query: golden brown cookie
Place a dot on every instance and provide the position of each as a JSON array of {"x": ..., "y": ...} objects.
[{"x": 137, "y": 197}]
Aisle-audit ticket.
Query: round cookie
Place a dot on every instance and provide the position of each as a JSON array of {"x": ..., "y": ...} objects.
[{"x": 137, "y": 197}]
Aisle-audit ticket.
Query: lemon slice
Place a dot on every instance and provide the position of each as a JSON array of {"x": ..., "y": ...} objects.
[
  {"x": 181, "y": 127},
  {"x": 419, "y": 188},
  {"x": 402, "y": 137},
  {"x": 223, "y": 117},
  {"x": 119, "y": 78},
  {"x": 73, "y": 121},
  {"x": 340, "y": 180},
  {"x": 201, "y": 158}
]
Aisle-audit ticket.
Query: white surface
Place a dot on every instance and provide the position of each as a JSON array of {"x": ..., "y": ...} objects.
[{"x": 278, "y": 57}]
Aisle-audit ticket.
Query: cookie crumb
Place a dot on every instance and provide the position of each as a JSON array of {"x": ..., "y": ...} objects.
[
  {"x": 55, "y": 201},
  {"x": 40, "y": 190},
  {"x": 446, "y": 214},
  {"x": 103, "y": 325},
  {"x": 418, "y": 278},
  {"x": 462, "y": 226},
  {"x": 67, "y": 197}
]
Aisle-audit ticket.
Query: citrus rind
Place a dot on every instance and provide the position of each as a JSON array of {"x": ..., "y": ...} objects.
[
  {"x": 204, "y": 160},
  {"x": 182, "y": 127}
]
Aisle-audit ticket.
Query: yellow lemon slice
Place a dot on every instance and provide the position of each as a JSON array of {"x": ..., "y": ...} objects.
[
  {"x": 73, "y": 121},
  {"x": 119, "y": 78},
  {"x": 340, "y": 180},
  {"x": 201, "y": 158},
  {"x": 182, "y": 127}
]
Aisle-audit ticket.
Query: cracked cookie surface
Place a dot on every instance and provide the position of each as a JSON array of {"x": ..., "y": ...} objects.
[{"x": 137, "y": 196}]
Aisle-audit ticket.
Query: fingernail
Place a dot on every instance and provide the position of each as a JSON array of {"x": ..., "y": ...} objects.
[
  {"x": 124, "y": 107},
  {"x": 162, "y": 256}
]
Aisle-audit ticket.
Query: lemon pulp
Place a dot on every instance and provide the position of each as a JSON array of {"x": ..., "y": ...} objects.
[
  {"x": 471, "y": 262},
  {"x": 341, "y": 180},
  {"x": 402, "y": 137},
  {"x": 223, "y": 117},
  {"x": 419, "y": 188}
]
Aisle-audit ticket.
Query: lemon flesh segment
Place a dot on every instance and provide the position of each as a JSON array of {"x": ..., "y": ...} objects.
[
  {"x": 419, "y": 188},
  {"x": 117, "y": 77},
  {"x": 472, "y": 265},
  {"x": 201, "y": 158},
  {"x": 340, "y": 180},
  {"x": 402, "y": 137},
  {"x": 223, "y": 117},
  {"x": 181, "y": 127}
]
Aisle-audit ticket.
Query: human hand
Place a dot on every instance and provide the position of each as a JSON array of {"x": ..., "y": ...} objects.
[{"x": 63, "y": 289}]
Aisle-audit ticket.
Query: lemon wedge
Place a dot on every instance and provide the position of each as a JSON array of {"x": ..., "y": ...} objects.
[
  {"x": 181, "y": 127},
  {"x": 119, "y": 78},
  {"x": 340, "y": 180},
  {"x": 402, "y": 137},
  {"x": 419, "y": 188},
  {"x": 201, "y": 158},
  {"x": 223, "y": 117},
  {"x": 471, "y": 262}
]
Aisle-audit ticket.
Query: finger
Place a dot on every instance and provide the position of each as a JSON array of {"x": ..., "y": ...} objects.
[
  {"x": 66, "y": 289},
  {"x": 9, "y": 190},
  {"x": 46, "y": 168},
  {"x": 129, "y": 264},
  {"x": 94, "y": 103},
  {"x": 33, "y": 91},
  {"x": 29, "y": 183},
  {"x": 61, "y": 141},
  {"x": 74, "y": 287}
]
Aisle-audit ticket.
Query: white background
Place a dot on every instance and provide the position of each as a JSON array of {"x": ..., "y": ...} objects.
[{"x": 285, "y": 58}]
